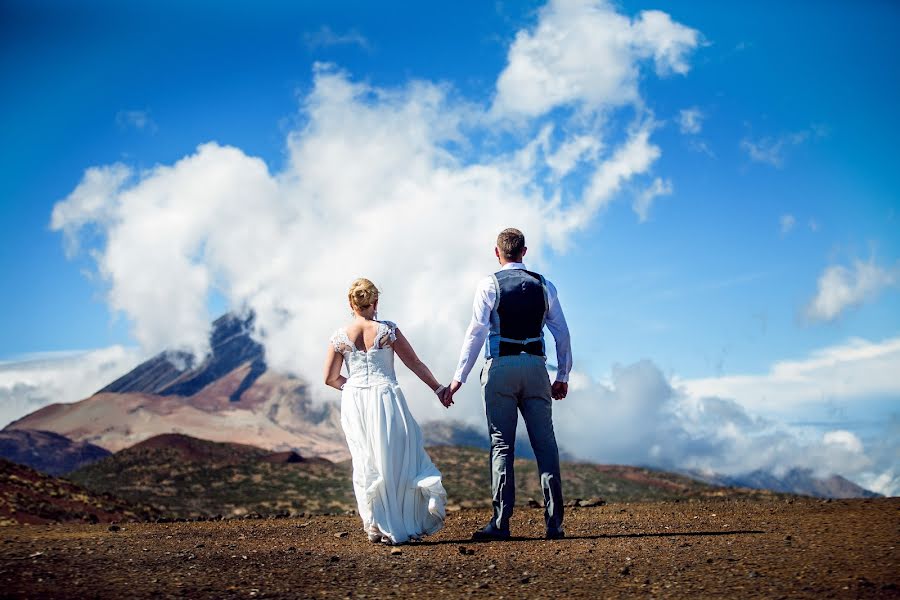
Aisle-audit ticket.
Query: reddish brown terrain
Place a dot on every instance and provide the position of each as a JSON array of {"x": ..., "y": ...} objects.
[
  {"x": 28, "y": 496},
  {"x": 700, "y": 548}
]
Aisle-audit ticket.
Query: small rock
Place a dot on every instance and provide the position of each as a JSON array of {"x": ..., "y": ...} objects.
[
  {"x": 396, "y": 551},
  {"x": 626, "y": 570},
  {"x": 335, "y": 558},
  {"x": 591, "y": 502},
  {"x": 532, "y": 503},
  {"x": 114, "y": 528},
  {"x": 341, "y": 534}
]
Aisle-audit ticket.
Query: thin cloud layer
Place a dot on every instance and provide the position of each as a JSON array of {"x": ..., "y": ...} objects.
[
  {"x": 849, "y": 372},
  {"x": 28, "y": 384}
]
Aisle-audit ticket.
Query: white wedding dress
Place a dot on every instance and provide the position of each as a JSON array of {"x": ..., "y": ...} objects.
[{"x": 398, "y": 489}]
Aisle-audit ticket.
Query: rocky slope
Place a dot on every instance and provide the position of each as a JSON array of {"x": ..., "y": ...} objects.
[
  {"x": 27, "y": 496},
  {"x": 186, "y": 477},
  {"x": 46, "y": 451}
]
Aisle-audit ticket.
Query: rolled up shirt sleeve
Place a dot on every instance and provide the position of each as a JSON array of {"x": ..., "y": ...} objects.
[
  {"x": 556, "y": 323},
  {"x": 478, "y": 329}
]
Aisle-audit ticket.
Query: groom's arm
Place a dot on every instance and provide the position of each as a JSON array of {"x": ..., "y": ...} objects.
[
  {"x": 556, "y": 323},
  {"x": 477, "y": 331}
]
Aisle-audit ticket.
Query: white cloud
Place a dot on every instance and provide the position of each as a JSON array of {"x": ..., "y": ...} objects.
[
  {"x": 32, "y": 382},
  {"x": 397, "y": 184},
  {"x": 370, "y": 188},
  {"x": 570, "y": 152},
  {"x": 90, "y": 203},
  {"x": 640, "y": 417},
  {"x": 849, "y": 372},
  {"x": 136, "y": 119},
  {"x": 644, "y": 199},
  {"x": 326, "y": 37},
  {"x": 690, "y": 121},
  {"x": 583, "y": 52},
  {"x": 841, "y": 288},
  {"x": 786, "y": 223}
]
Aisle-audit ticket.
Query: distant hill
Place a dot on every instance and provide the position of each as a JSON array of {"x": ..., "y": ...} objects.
[
  {"x": 47, "y": 451},
  {"x": 183, "y": 476},
  {"x": 231, "y": 396},
  {"x": 28, "y": 496},
  {"x": 795, "y": 481},
  {"x": 187, "y": 477}
]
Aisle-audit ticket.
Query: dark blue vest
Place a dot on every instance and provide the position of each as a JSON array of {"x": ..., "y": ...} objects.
[{"x": 517, "y": 319}]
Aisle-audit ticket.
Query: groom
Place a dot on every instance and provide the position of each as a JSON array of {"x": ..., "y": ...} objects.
[{"x": 511, "y": 308}]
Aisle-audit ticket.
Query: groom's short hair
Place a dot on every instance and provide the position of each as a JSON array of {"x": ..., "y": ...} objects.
[{"x": 511, "y": 243}]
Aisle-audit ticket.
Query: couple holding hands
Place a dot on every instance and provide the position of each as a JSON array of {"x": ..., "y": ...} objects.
[{"x": 398, "y": 489}]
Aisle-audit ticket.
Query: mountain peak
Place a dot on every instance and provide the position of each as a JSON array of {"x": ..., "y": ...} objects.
[{"x": 174, "y": 373}]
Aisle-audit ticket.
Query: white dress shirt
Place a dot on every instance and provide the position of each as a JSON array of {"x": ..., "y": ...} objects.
[{"x": 479, "y": 327}]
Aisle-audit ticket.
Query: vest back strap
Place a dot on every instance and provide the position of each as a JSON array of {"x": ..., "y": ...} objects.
[{"x": 523, "y": 342}]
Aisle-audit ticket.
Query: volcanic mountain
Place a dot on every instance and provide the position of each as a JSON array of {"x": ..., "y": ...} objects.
[{"x": 230, "y": 396}]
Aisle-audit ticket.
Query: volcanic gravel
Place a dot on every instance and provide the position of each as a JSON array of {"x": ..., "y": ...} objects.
[{"x": 731, "y": 549}]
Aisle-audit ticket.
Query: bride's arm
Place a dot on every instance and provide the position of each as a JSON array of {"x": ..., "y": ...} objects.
[
  {"x": 406, "y": 353},
  {"x": 333, "y": 364}
]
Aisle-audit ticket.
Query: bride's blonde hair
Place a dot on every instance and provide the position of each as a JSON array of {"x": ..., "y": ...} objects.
[{"x": 362, "y": 294}]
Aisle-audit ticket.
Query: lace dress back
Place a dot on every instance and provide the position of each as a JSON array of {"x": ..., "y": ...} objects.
[
  {"x": 398, "y": 489},
  {"x": 368, "y": 367}
]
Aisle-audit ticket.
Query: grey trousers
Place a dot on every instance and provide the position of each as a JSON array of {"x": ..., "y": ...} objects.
[{"x": 510, "y": 384}]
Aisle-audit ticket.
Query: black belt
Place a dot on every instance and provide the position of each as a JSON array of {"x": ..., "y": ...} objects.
[{"x": 515, "y": 348}]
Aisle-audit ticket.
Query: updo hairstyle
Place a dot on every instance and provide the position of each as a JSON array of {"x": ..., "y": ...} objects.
[{"x": 362, "y": 294}]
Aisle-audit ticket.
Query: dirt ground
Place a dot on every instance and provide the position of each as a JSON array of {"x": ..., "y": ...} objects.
[{"x": 783, "y": 549}]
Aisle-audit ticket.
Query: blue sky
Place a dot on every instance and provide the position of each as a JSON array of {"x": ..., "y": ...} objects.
[{"x": 788, "y": 170}]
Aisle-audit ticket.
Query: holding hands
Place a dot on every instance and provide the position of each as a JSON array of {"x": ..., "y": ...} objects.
[{"x": 444, "y": 395}]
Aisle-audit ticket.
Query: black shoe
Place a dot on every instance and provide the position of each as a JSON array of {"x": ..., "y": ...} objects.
[
  {"x": 555, "y": 535},
  {"x": 491, "y": 532}
]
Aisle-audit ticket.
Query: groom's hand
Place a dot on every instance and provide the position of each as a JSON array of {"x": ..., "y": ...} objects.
[{"x": 559, "y": 389}]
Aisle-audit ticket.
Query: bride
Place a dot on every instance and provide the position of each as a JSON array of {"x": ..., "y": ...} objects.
[{"x": 398, "y": 489}]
